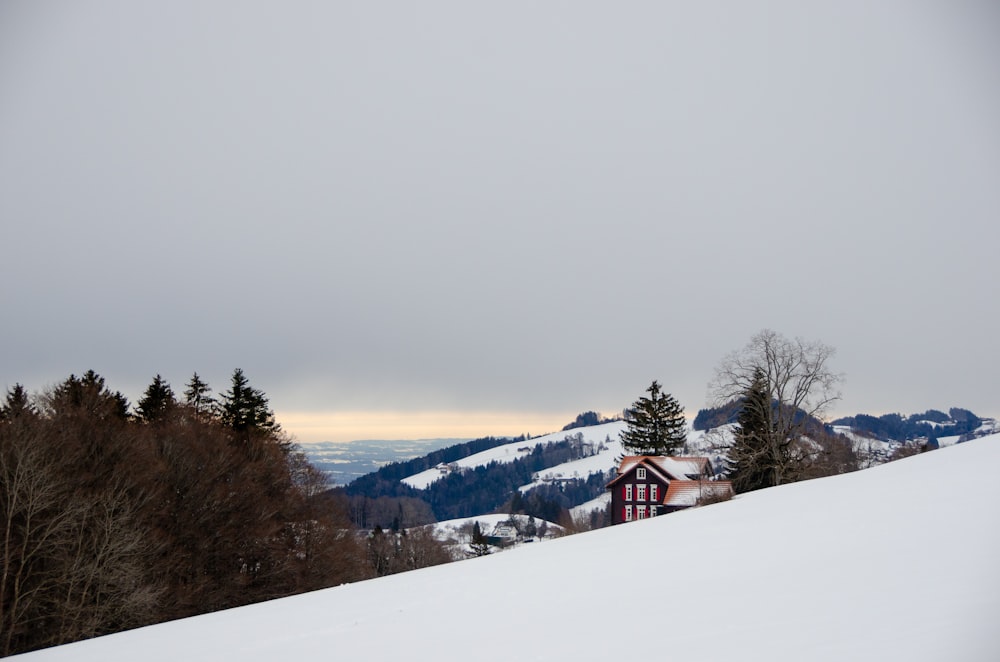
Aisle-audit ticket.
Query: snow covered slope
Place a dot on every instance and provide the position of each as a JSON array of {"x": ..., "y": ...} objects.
[
  {"x": 595, "y": 434},
  {"x": 897, "y": 562}
]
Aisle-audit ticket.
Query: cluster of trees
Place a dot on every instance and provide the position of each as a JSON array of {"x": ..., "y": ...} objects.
[
  {"x": 111, "y": 519},
  {"x": 587, "y": 419},
  {"x": 387, "y": 512},
  {"x": 390, "y": 552},
  {"x": 930, "y": 425},
  {"x": 782, "y": 388}
]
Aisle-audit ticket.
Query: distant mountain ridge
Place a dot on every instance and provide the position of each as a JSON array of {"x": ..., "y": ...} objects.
[{"x": 931, "y": 425}]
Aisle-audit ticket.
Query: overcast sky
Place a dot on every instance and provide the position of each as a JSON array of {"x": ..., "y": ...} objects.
[{"x": 401, "y": 218}]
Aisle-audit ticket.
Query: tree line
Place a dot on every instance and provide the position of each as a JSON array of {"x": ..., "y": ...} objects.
[{"x": 113, "y": 518}]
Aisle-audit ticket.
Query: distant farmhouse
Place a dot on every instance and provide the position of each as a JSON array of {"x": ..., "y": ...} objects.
[{"x": 651, "y": 485}]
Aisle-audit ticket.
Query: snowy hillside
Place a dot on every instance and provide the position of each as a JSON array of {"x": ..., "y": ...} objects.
[
  {"x": 897, "y": 562},
  {"x": 606, "y": 441},
  {"x": 595, "y": 435}
]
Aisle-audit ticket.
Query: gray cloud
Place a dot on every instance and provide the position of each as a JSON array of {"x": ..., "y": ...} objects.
[{"x": 523, "y": 206}]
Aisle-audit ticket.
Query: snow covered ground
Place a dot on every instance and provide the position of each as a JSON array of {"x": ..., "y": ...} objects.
[
  {"x": 585, "y": 508},
  {"x": 897, "y": 562}
]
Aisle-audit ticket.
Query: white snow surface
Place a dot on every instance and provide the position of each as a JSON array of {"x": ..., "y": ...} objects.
[
  {"x": 897, "y": 562},
  {"x": 584, "y": 509}
]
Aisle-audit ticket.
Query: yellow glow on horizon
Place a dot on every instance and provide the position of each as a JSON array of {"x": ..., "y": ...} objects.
[{"x": 308, "y": 427}]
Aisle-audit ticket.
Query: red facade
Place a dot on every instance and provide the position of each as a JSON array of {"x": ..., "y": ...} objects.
[
  {"x": 637, "y": 494},
  {"x": 643, "y": 486}
]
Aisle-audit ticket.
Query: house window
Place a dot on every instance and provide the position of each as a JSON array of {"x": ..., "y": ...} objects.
[
  {"x": 652, "y": 511},
  {"x": 641, "y": 493},
  {"x": 628, "y": 492},
  {"x": 628, "y": 513},
  {"x": 653, "y": 492},
  {"x": 640, "y": 473},
  {"x": 641, "y": 510}
]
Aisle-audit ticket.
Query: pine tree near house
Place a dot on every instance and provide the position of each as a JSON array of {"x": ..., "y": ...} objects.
[
  {"x": 751, "y": 464},
  {"x": 656, "y": 424}
]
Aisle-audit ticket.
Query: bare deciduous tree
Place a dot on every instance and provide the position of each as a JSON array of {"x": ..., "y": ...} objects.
[
  {"x": 801, "y": 385},
  {"x": 74, "y": 559}
]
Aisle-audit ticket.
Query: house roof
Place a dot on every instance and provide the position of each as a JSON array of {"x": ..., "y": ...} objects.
[
  {"x": 687, "y": 492},
  {"x": 666, "y": 468},
  {"x": 682, "y": 467}
]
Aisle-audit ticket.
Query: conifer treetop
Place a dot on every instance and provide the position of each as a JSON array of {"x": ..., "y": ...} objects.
[{"x": 656, "y": 424}]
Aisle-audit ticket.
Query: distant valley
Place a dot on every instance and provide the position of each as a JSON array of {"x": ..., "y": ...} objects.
[{"x": 342, "y": 462}]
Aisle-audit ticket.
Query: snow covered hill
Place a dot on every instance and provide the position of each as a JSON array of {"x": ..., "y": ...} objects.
[
  {"x": 606, "y": 433},
  {"x": 897, "y": 562}
]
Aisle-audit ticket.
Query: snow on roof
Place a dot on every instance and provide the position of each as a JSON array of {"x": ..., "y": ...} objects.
[
  {"x": 688, "y": 492},
  {"x": 631, "y": 461},
  {"x": 628, "y": 462},
  {"x": 681, "y": 467},
  {"x": 667, "y": 468}
]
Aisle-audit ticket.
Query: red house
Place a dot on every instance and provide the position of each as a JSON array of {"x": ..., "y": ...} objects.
[{"x": 651, "y": 485}]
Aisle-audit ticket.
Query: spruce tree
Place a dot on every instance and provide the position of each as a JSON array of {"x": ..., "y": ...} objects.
[
  {"x": 156, "y": 402},
  {"x": 17, "y": 404},
  {"x": 244, "y": 407},
  {"x": 750, "y": 463},
  {"x": 197, "y": 395},
  {"x": 479, "y": 544},
  {"x": 655, "y": 424}
]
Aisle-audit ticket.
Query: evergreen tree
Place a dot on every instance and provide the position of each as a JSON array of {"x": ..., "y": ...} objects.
[
  {"x": 244, "y": 407},
  {"x": 17, "y": 404},
  {"x": 750, "y": 463},
  {"x": 479, "y": 545},
  {"x": 197, "y": 395},
  {"x": 655, "y": 424},
  {"x": 89, "y": 394},
  {"x": 156, "y": 402}
]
